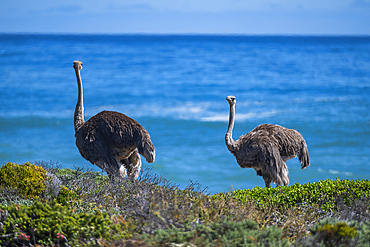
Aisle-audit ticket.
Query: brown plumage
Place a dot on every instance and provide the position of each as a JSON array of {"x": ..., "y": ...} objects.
[
  {"x": 111, "y": 140},
  {"x": 266, "y": 149}
]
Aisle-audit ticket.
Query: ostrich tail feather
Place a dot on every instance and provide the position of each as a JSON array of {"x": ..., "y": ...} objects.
[
  {"x": 147, "y": 149},
  {"x": 149, "y": 152},
  {"x": 304, "y": 156}
]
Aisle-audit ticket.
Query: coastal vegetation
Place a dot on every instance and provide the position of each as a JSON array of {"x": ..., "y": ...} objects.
[{"x": 44, "y": 205}]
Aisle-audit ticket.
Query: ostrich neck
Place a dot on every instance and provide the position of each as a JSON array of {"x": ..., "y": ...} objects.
[
  {"x": 230, "y": 143},
  {"x": 79, "y": 111}
]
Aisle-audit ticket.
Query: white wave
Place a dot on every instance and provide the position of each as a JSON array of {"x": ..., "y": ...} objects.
[
  {"x": 203, "y": 111},
  {"x": 331, "y": 171},
  {"x": 239, "y": 117},
  {"x": 216, "y": 118},
  {"x": 187, "y": 110},
  {"x": 335, "y": 172},
  {"x": 320, "y": 99},
  {"x": 330, "y": 99},
  {"x": 39, "y": 113}
]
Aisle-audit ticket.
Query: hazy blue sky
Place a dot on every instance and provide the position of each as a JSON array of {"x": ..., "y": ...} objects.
[{"x": 187, "y": 16}]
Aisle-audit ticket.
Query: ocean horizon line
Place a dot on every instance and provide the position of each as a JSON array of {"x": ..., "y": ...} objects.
[{"x": 326, "y": 35}]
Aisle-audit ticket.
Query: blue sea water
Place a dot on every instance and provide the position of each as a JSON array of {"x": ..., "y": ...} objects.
[{"x": 176, "y": 85}]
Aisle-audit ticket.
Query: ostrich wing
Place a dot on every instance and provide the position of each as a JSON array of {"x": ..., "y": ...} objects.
[
  {"x": 93, "y": 148},
  {"x": 124, "y": 135},
  {"x": 289, "y": 142},
  {"x": 255, "y": 151},
  {"x": 263, "y": 156},
  {"x": 107, "y": 137}
]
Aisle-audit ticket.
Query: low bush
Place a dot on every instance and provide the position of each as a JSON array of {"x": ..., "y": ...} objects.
[
  {"x": 332, "y": 232},
  {"x": 323, "y": 193},
  {"x": 226, "y": 233},
  {"x": 44, "y": 223},
  {"x": 154, "y": 211},
  {"x": 27, "y": 178}
]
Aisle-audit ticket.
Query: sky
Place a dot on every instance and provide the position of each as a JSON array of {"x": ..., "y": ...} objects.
[{"x": 289, "y": 17}]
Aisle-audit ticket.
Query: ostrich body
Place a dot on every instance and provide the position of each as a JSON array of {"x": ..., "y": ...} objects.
[
  {"x": 266, "y": 149},
  {"x": 110, "y": 139}
]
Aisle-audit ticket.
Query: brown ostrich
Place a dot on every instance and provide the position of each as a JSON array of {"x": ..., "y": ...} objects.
[
  {"x": 110, "y": 139},
  {"x": 266, "y": 149}
]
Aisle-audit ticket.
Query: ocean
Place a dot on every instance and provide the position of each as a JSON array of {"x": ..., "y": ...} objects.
[{"x": 176, "y": 86}]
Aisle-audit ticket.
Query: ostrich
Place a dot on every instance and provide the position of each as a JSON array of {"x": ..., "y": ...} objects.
[
  {"x": 266, "y": 149},
  {"x": 110, "y": 139}
]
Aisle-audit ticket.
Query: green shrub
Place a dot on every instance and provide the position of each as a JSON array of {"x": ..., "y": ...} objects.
[
  {"x": 337, "y": 231},
  {"x": 363, "y": 230},
  {"x": 66, "y": 195},
  {"x": 42, "y": 222},
  {"x": 27, "y": 178},
  {"x": 332, "y": 232},
  {"x": 323, "y": 193},
  {"x": 227, "y": 233}
]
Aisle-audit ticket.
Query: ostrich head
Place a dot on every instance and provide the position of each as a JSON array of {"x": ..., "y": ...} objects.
[
  {"x": 77, "y": 65},
  {"x": 231, "y": 99}
]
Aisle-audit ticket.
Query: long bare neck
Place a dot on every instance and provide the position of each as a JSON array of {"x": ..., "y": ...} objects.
[
  {"x": 230, "y": 143},
  {"x": 79, "y": 111}
]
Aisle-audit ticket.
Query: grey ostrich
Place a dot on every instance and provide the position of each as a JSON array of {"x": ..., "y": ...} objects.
[
  {"x": 266, "y": 149},
  {"x": 110, "y": 139}
]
